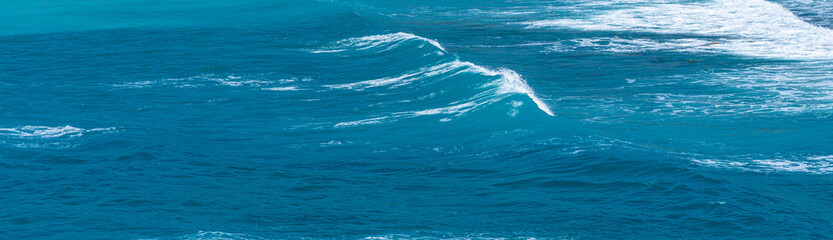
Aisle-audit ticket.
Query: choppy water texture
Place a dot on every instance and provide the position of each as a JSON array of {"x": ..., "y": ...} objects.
[{"x": 367, "y": 119}]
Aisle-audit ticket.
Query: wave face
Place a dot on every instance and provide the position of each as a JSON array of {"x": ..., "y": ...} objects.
[{"x": 368, "y": 119}]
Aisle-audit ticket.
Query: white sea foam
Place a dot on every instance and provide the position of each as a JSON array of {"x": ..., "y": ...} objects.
[
  {"x": 139, "y": 84},
  {"x": 290, "y": 88},
  {"x": 744, "y": 27},
  {"x": 386, "y": 41},
  {"x": 797, "y": 164},
  {"x": 622, "y": 45},
  {"x": 44, "y": 136},
  {"x": 504, "y": 12},
  {"x": 216, "y": 235},
  {"x": 449, "y": 237},
  {"x": 361, "y": 122},
  {"x": 209, "y": 80},
  {"x": 791, "y": 89},
  {"x": 42, "y": 132}
]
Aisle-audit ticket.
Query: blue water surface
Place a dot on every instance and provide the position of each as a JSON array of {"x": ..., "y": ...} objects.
[{"x": 433, "y": 119}]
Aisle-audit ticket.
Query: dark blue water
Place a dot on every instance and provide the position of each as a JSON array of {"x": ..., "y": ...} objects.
[{"x": 366, "y": 119}]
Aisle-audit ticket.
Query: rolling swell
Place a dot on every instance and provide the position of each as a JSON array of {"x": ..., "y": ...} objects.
[
  {"x": 485, "y": 140},
  {"x": 453, "y": 87}
]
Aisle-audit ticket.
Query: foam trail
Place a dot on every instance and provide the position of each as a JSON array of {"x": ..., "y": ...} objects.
[
  {"x": 623, "y": 45},
  {"x": 446, "y": 237},
  {"x": 361, "y": 122},
  {"x": 47, "y": 132},
  {"x": 216, "y": 235},
  {"x": 744, "y": 27},
  {"x": 799, "y": 164},
  {"x": 290, "y": 88}
]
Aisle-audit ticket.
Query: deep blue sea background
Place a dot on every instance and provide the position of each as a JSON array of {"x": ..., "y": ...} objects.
[{"x": 369, "y": 119}]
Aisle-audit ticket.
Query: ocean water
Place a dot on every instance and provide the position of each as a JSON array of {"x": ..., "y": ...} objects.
[{"x": 434, "y": 119}]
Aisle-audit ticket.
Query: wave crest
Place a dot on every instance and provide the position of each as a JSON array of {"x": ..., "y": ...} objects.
[{"x": 386, "y": 41}]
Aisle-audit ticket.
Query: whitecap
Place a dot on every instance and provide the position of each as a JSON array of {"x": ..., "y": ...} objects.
[
  {"x": 637, "y": 45},
  {"x": 744, "y": 27},
  {"x": 45, "y": 136},
  {"x": 514, "y": 83},
  {"x": 821, "y": 164},
  {"x": 48, "y": 132}
]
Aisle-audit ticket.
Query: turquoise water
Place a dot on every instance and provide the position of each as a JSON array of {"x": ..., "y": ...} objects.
[{"x": 367, "y": 119}]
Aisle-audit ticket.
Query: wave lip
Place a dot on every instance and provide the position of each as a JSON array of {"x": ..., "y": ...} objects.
[
  {"x": 745, "y": 27},
  {"x": 513, "y": 82},
  {"x": 389, "y": 41}
]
